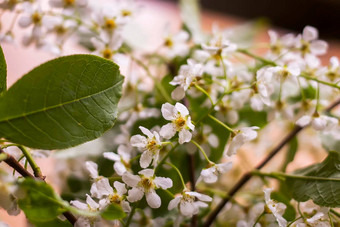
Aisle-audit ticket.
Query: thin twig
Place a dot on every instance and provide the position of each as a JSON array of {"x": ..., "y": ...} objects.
[
  {"x": 12, "y": 162},
  {"x": 246, "y": 177}
]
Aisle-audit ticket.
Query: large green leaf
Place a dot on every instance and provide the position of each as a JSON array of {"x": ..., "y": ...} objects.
[
  {"x": 62, "y": 103},
  {"x": 319, "y": 182},
  {"x": 40, "y": 202},
  {"x": 3, "y": 72}
]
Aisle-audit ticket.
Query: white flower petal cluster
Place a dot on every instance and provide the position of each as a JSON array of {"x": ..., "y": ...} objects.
[
  {"x": 149, "y": 146},
  {"x": 318, "y": 122},
  {"x": 176, "y": 45},
  {"x": 210, "y": 175},
  {"x": 189, "y": 202},
  {"x": 243, "y": 135},
  {"x": 187, "y": 74},
  {"x": 180, "y": 122},
  {"x": 308, "y": 42},
  {"x": 122, "y": 160},
  {"x": 145, "y": 184},
  {"x": 277, "y": 209},
  {"x": 91, "y": 206}
]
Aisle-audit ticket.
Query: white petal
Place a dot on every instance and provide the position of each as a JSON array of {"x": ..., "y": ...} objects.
[
  {"x": 145, "y": 159},
  {"x": 111, "y": 156},
  {"x": 131, "y": 180},
  {"x": 189, "y": 123},
  {"x": 146, "y": 131},
  {"x": 153, "y": 199},
  {"x": 138, "y": 141},
  {"x": 178, "y": 93},
  {"x": 147, "y": 172},
  {"x": 224, "y": 167},
  {"x": 25, "y": 21},
  {"x": 126, "y": 206},
  {"x": 80, "y": 205},
  {"x": 182, "y": 109},
  {"x": 174, "y": 202},
  {"x": 294, "y": 69},
  {"x": 184, "y": 136},
  {"x": 319, "y": 123},
  {"x": 92, "y": 168},
  {"x": 304, "y": 120},
  {"x": 168, "y": 131},
  {"x": 119, "y": 168},
  {"x": 104, "y": 187},
  {"x": 235, "y": 144},
  {"x": 318, "y": 47},
  {"x": 310, "y": 33},
  {"x": 188, "y": 209},
  {"x": 135, "y": 194},
  {"x": 213, "y": 140},
  {"x": 163, "y": 182},
  {"x": 168, "y": 111},
  {"x": 91, "y": 202},
  {"x": 120, "y": 187}
]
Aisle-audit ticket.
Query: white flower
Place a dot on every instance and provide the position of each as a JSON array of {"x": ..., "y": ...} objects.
[
  {"x": 110, "y": 195},
  {"x": 91, "y": 206},
  {"x": 242, "y": 136},
  {"x": 176, "y": 45},
  {"x": 187, "y": 74},
  {"x": 146, "y": 183},
  {"x": 150, "y": 146},
  {"x": 219, "y": 44},
  {"x": 107, "y": 45},
  {"x": 122, "y": 160},
  {"x": 189, "y": 202},
  {"x": 307, "y": 43},
  {"x": 7, "y": 190},
  {"x": 68, "y": 3},
  {"x": 92, "y": 168},
  {"x": 282, "y": 72},
  {"x": 264, "y": 80},
  {"x": 280, "y": 44},
  {"x": 277, "y": 209},
  {"x": 181, "y": 122},
  {"x": 210, "y": 174},
  {"x": 318, "y": 122}
]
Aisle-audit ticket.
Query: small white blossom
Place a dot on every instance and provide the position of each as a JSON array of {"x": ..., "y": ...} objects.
[
  {"x": 210, "y": 175},
  {"x": 280, "y": 44},
  {"x": 146, "y": 183},
  {"x": 176, "y": 45},
  {"x": 277, "y": 209},
  {"x": 308, "y": 42},
  {"x": 122, "y": 160},
  {"x": 189, "y": 202},
  {"x": 187, "y": 74},
  {"x": 181, "y": 122},
  {"x": 90, "y": 206},
  {"x": 242, "y": 136},
  {"x": 150, "y": 146},
  {"x": 110, "y": 195},
  {"x": 318, "y": 122}
]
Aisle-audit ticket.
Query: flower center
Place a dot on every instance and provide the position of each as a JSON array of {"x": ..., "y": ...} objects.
[
  {"x": 69, "y": 2},
  {"x": 168, "y": 42},
  {"x": 107, "y": 53},
  {"x": 110, "y": 24},
  {"x": 115, "y": 199},
  {"x": 36, "y": 18},
  {"x": 147, "y": 183},
  {"x": 304, "y": 47},
  {"x": 188, "y": 198},
  {"x": 60, "y": 29},
  {"x": 180, "y": 123},
  {"x": 152, "y": 145},
  {"x": 126, "y": 13}
]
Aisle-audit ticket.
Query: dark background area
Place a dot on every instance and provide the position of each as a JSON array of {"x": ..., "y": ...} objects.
[{"x": 290, "y": 14}]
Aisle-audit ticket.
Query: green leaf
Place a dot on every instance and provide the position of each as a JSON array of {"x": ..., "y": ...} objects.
[
  {"x": 62, "y": 103},
  {"x": 319, "y": 182},
  {"x": 40, "y": 202},
  {"x": 53, "y": 223},
  {"x": 113, "y": 212},
  {"x": 3, "y": 72},
  {"x": 293, "y": 146},
  {"x": 253, "y": 118}
]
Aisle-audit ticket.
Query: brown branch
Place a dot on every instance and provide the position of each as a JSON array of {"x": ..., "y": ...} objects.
[
  {"x": 246, "y": 177},
  {"x": 12, "y": 162}
]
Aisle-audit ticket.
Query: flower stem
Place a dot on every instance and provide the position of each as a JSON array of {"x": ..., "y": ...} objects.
[
  {"x": 221, "y": 123},
  {"x": 178, "y": 172},
  {"x": 134, "y": 207},
  {"x": 261, "y": 59},
  {"x": 259, "y": 218},
  {"x": 205, "y": 92},
  {"x": 33, "y": 164},
  {"x": 319, "y": 81},
  {"x": 202, "y": 151}
]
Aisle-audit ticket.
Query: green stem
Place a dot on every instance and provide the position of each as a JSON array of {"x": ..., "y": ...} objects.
[
  {"x": 179, "y": 174},
  {"x": 261, "y": 59},
  {"x": 335, "y": 213},
  {"x": 165, "y": 157},
  {"x": 224, "y": 68},
  {"x": 281, "y": 176},
  {"x": 36, "y": 169},
  {"x": 319, "y": 81},
  {"x": 205, "y": 92},
  {"x": 330, "y": 219},
  {"x": 259, "y": 217},
  {"x": 134, "y": 207},
  {"x": 292, "y": 222},
  {"x": 221, "y": 123},
  {"x": 202, "y": 151}
]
